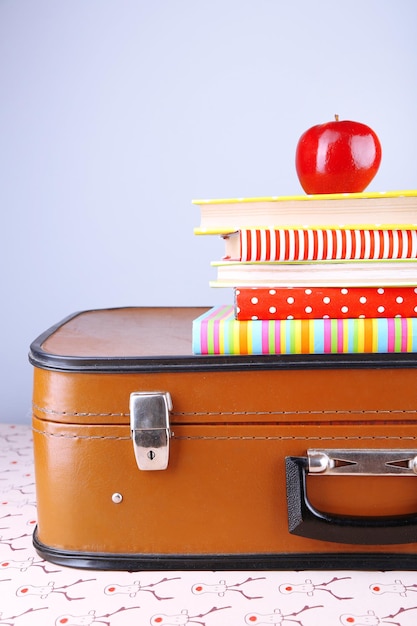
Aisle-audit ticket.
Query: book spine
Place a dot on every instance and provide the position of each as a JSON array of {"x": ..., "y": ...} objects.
[
  {"x": 336, "y": 273},
  {"x": 217, "y": 332},
  {"x": 282, "y": 303},
  {"x": 326, "y": 244}
]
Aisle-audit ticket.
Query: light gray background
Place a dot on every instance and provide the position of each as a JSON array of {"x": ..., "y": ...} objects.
[{"x": 114, "y": 114}]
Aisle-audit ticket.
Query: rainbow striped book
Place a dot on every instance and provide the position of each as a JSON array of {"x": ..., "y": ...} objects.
[{"x": 218, "y": 332}]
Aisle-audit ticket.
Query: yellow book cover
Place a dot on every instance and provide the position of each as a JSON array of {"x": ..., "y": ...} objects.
[{"x": 385, "y": 209}]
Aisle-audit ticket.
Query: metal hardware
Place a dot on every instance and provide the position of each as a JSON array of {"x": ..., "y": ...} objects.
[
  {"x": 117, "y": 498},
  {"x": 363, "y": 462},
  {"x": 149, "y": 424}
]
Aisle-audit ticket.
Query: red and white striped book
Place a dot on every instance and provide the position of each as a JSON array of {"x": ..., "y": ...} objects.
[
  {"x": 282, "y": 303},
  {"x": 308, "y": 244}
]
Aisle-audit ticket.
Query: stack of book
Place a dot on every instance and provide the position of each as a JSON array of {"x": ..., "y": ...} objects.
[{"x": 313, "y": 274}]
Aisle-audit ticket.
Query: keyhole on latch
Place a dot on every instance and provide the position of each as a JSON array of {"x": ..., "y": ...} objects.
[{"x": 151, "y": 455}]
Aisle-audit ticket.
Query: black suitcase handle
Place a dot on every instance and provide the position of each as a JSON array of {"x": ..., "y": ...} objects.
[{"x": 307, "y": 521}]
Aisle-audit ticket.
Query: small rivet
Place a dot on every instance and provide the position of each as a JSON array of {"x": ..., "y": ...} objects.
[
  {"x": 319, "y": 462},
  {"x": 413, "y": 464},
  {"x": 117, "y": 498}
]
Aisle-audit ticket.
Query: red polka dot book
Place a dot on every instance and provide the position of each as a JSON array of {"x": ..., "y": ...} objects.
[
  {"x": 324, "y": 302},
  {"x": 313, "y": 274}
]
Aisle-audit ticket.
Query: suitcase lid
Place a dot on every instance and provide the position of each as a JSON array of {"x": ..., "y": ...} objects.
[{"x": 148, "y": 339}]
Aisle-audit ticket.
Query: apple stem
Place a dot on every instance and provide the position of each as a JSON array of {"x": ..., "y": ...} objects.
[{"x": 336, "y": 117}]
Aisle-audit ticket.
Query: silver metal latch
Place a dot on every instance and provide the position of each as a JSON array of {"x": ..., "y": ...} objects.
[
  {"x": 149, "y": 425},
  {"x": 363, "y": 462}
]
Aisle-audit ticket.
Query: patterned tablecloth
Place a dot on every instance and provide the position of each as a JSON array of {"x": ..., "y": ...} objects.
[{"x": 34, "y": 592}]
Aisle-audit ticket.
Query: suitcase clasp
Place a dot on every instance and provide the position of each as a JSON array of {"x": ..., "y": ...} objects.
[{"x": 149, "y": 425}]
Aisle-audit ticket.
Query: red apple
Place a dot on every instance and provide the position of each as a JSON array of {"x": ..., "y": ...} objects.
[{"x": 337, "y": 157}]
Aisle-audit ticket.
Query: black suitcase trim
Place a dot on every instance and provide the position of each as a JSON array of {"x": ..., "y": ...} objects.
[
  {"x": 375, "y": 561},
  {"x": 38, "y": 357}
]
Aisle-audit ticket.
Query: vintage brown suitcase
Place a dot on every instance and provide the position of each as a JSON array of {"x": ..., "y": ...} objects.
[{"x": 148, "y": 457}]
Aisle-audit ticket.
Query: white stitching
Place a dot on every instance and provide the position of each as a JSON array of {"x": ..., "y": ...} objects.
[
  {"x": 48, "y": 411},
  {"x": 236, "y": 413},
  {"x": 240, "y": 438},
  {"x": 295, "y": 438},
  {"x": 68, "y": 436}
]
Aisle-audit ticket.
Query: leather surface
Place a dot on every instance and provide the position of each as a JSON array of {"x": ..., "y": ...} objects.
[
  {"x": 129, "y": 331},
  {"x": 224, "y": 489}
]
